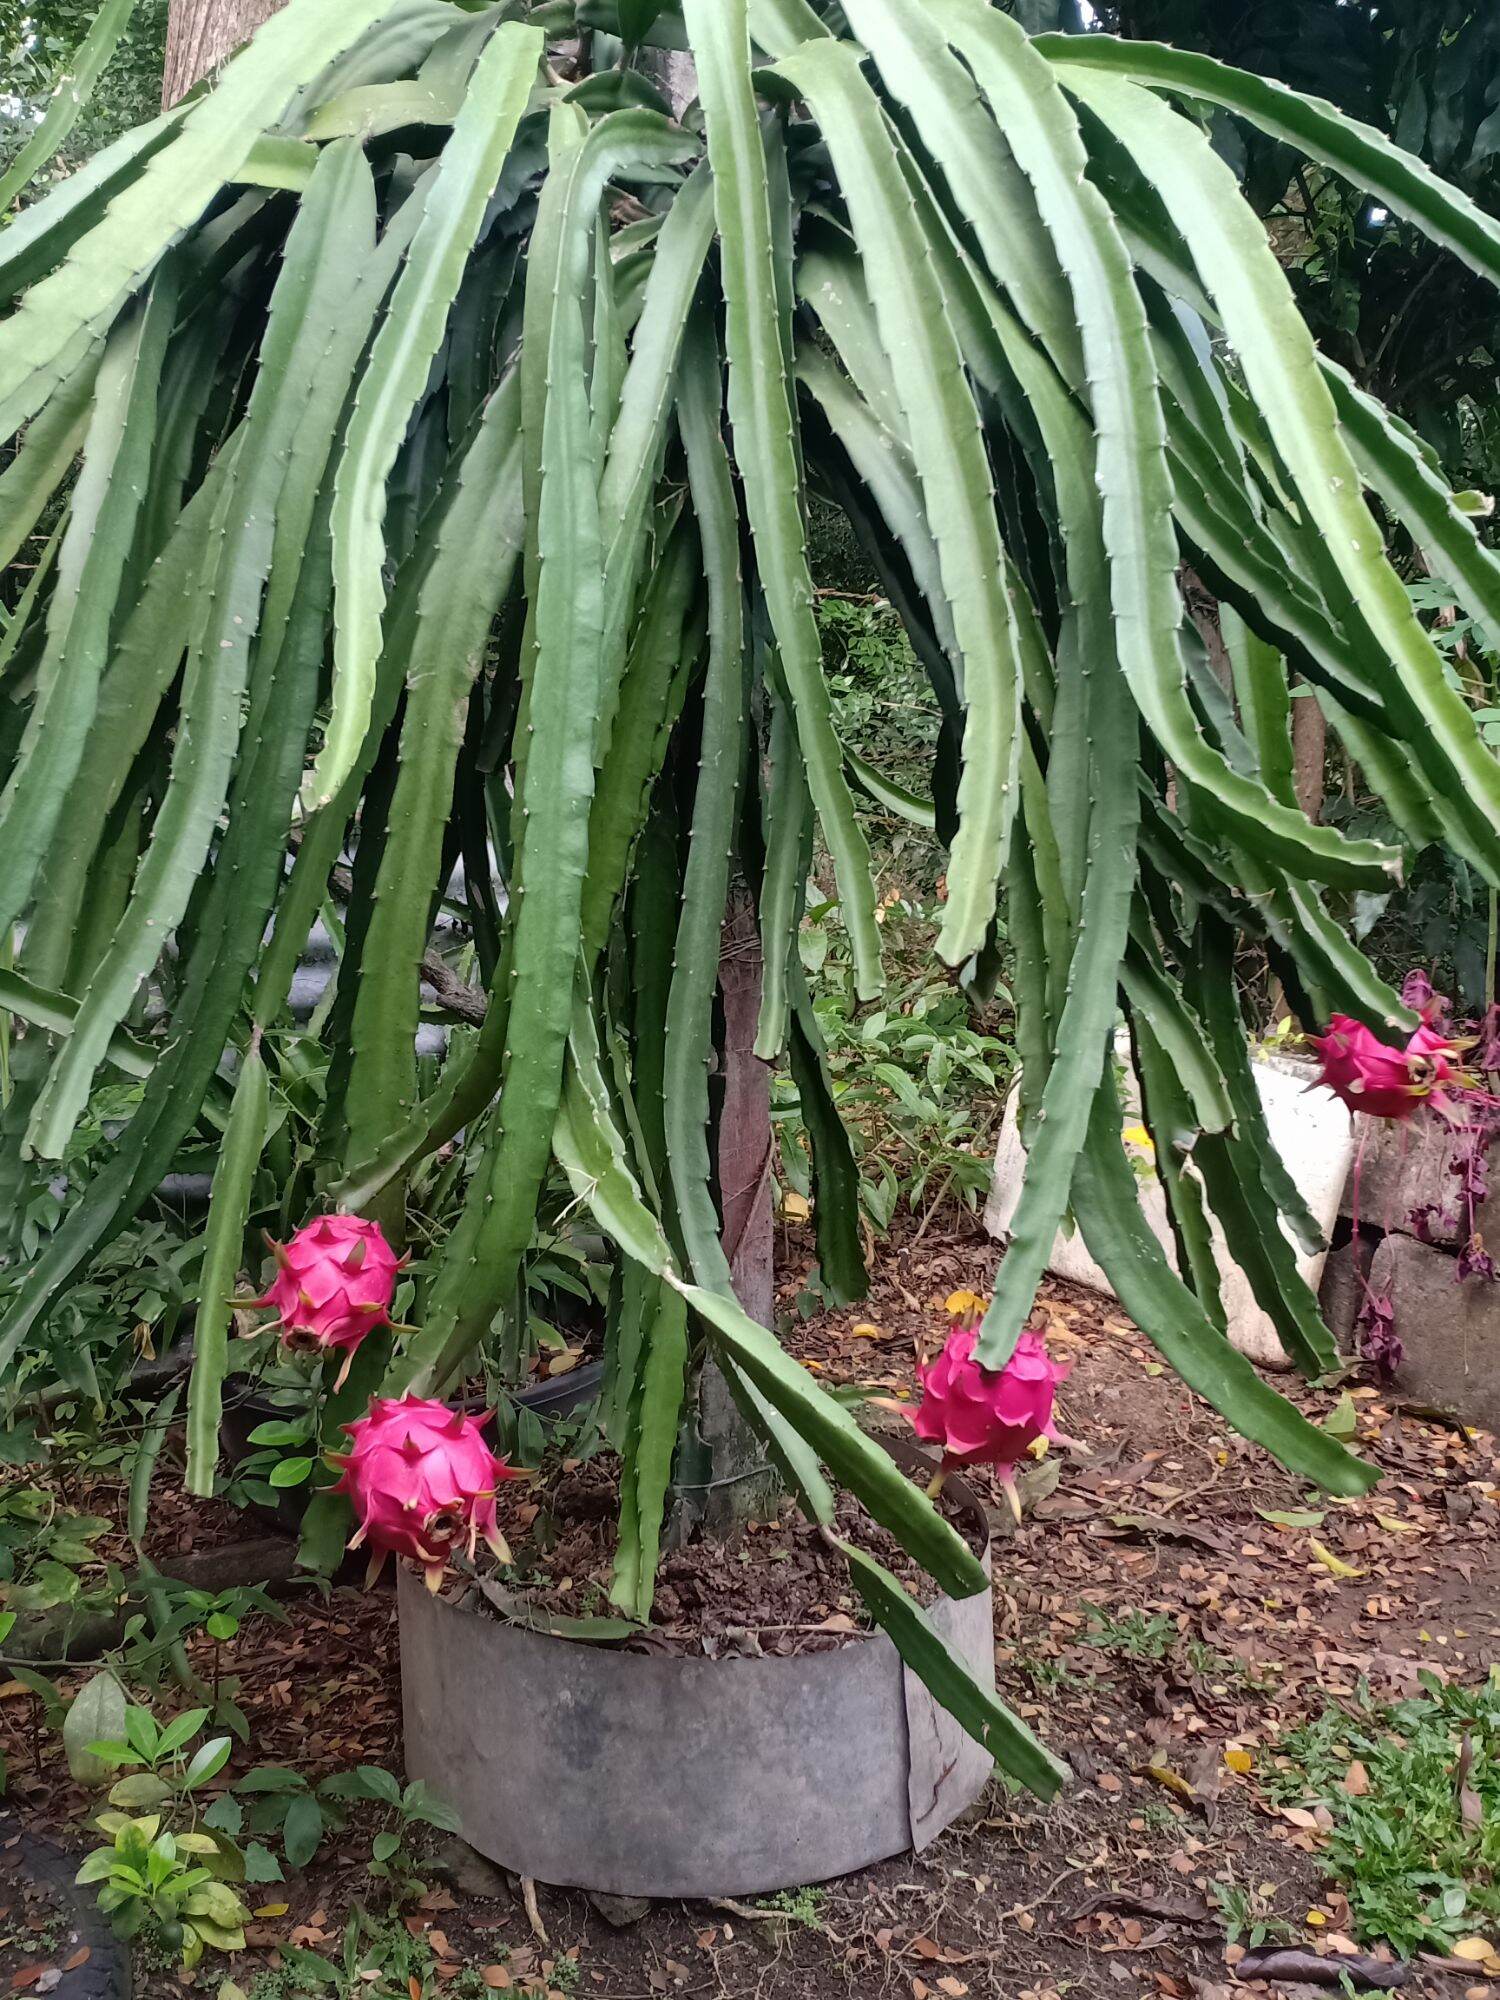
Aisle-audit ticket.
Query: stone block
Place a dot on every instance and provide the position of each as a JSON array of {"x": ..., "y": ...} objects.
[
  {"x": 1342, "y": 1290},
  {"x": 1310, "y": 1129},
  {"x": 1450, "y": 1331},
  {"x": 1399, "y": 1167}
]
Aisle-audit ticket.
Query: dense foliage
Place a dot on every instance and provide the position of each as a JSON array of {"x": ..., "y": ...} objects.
[{"x": 416, "y": 447}]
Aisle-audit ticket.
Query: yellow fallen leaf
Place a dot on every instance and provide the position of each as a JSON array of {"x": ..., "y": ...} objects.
[
  {"x": 795, "y": 1207},
  {"x": 1238, "y": 1760},
  {"x": 271, "y": 1910},
  {"x": 866, "y": 1329},
  {"x": 1164, "y": 1775},
  {"x": 1330, "y": 1561},
  {"x": 1476, "y": 1949}
]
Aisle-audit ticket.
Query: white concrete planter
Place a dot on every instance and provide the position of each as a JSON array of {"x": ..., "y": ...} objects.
[
  {"x": 655, "y": 1775},
  {"x": 1309, "y": 1128}
]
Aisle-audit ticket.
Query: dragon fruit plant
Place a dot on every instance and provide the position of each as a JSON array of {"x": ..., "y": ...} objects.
[
  {"x": 421, "y": 1481},
  {"x": 457, "y": 405},
  {"x": 334, "y": 1284}
]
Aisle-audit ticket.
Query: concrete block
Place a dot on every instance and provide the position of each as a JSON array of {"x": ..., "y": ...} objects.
[
  {"x": 1310, "y": 1129},
  {"x": 1450, "y": 1331}
]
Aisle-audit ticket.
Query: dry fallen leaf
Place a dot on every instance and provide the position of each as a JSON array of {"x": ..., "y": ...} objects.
[
  {"x": 1356, "y": 1781},
  {"x": 1170, "y": 1780},
  {"x": 1475, "y": 1949},
  {"x": 1332, "y": 1563}
]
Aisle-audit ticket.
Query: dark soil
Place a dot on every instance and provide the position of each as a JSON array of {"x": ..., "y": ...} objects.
[
  {"x": 34, "y": 1935},
  {"x": 1151, "y": 1621},
  {"x": 49, "y": 1939},
  {"x": 778, "y": 1588}
]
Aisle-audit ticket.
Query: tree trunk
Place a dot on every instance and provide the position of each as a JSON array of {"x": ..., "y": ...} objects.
[
  {"x": 725, "y": 1478},
  {"x": 1309, "y": 753},
  {"x": 745, "y": 1117},
  {"x": 201, "y": 33}
]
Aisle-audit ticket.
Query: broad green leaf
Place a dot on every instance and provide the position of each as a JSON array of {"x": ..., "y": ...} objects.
[{"x": 96, "y": 1714}]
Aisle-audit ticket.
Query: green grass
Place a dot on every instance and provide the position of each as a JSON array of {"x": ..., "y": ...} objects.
[
  {"x": 1418, "y": 1853},
  {"x": 1133, "y": 1635},
  {"x": 801, "y": 1906}
]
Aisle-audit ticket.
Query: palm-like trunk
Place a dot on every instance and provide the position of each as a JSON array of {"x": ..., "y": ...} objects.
[{"x": 201, "y": 33}]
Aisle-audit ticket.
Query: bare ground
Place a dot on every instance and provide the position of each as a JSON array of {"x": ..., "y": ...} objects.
[{"x": 1112, "y": 1890}]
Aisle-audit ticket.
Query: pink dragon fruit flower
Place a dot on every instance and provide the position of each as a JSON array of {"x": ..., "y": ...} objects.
[
  {"x": 421, "y": 1480},
  {"x": 334, "y": 1284},
  {"x": 1370, "y": 1076},
  {"x": 988, "y": 1416}
]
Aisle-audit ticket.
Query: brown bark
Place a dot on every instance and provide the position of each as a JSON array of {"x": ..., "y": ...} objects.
[
  {"x": 202, "y": 33},
  {"x": 745, "y": 1120},
  {"x": 725, "y": 1478},
  {"x": 1309, "y": 753}
]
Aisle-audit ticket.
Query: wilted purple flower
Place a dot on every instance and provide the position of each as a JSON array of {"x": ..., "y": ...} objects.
[
  {"x": 1487, "y": 1044},
  {"x": 1430, "y": 1222},
  {"x": 1470, "y": 1163},
  {"x": 1474, "y": 1261},
  {"x": 1418, "y": 994},
  {"x": 1379, "y": 1343}
]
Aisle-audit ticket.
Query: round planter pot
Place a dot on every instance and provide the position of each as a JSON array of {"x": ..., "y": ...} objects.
[{"x": 646, "y": 1775}]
